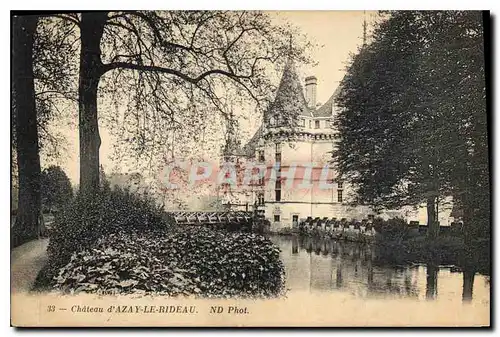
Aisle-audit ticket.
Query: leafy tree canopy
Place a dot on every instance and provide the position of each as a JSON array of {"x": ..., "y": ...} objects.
[
  {"x": 412, "y": 121},
  {"x": 56, "y": 188}
]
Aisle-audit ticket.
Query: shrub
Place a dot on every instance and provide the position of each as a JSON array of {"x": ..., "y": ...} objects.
[
  {"x": 55, "y": 188},
  {"x": 196, "y": 261},
  {"x": 122, "y": 263},
  {"x": 395, "y": 229},
  {"x": 89, "y": 217},
  {"x": 261, "y": 226},
  {"x": 444, "y": 249},
  {"x": 286, "y": 231}
]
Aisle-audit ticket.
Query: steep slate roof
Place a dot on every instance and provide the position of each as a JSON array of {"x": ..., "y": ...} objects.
[
  {"x": 326, "y": 109},
  {"x": 290, "y": 94},
  {"x": 249, "y": 148}
]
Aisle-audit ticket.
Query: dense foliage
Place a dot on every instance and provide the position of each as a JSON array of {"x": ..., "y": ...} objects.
[
  {"x": 161, "y": 74},
  {"x": 87, "y": 218},
  {"x": 395, "y": 229},
  {"x": 56, "y": 188},
  {"x": 42, "y": 91},
  {"x": 155, "y": 67},
  {"x": 192, "y": 261},
  {"x": 413, "y": 122}
]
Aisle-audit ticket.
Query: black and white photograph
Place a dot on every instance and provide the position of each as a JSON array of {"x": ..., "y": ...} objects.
[{"x": 249, "y": 168}]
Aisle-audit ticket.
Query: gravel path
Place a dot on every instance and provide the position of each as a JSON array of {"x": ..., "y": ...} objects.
[{"x": 25, "y": 263}]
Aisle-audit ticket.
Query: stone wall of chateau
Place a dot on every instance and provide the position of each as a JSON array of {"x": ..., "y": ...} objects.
[{"x": 301, "y": 198}]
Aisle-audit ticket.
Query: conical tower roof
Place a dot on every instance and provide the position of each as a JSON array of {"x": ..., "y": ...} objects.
[
  {"x": 289, "y": 102},
  {"x": 288, "y": 105}
]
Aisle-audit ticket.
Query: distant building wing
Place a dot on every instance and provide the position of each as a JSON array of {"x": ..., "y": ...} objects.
[
  {"x": 326, "y": 110},
  {"x": 249, "y": 148}
]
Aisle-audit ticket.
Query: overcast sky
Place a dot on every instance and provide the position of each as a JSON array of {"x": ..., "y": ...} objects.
[{"x": 339, "y": 33}]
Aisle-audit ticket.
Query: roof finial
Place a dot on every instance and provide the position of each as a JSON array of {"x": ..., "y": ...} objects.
[
  {"x": 290, "y": 53},
  {"x": 364, "y": 28},
  {"x": 290, "y": 47}
]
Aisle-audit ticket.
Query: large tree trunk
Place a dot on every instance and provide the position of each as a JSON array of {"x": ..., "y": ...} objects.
[
  {"x": 432, "y": 222},
  {"x": 91, "y": 70},
  {"x": 467, "y": 219},
  {"x": 27, "y": 225}
]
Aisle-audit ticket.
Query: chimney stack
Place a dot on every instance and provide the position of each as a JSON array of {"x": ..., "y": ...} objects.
[{"x": 311, "y": 83}]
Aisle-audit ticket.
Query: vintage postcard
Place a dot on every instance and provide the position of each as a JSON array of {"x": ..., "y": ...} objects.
[{"x": 250, "y": 169}]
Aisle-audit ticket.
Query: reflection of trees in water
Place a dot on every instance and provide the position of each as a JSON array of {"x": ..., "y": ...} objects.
[
  {"x": 351, "y": 268},
  {"x": 320, "y": 264},
  {"x": 467, "y": 285},
  {"x": 394, "y": 281},
  {"x": 432, "y": 278},
  {"x": 338, "y": 279}
]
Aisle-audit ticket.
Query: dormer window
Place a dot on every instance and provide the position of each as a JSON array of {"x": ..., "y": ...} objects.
[{"x": 316, "y": 124}]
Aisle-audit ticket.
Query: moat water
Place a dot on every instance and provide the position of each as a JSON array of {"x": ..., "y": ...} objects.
[{"x": 327, "y": 266}]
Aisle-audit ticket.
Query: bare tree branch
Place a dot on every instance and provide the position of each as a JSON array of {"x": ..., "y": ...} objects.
[
  {"x": 73, "y": 19},
  {"x": 193, "y": 80}
]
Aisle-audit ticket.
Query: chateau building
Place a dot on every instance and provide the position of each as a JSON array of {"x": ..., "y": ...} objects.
[{"x": 296, "y": 140}]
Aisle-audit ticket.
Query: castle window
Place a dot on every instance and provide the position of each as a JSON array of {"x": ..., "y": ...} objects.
[
  {"x": 260, "y": 199},
  {"x": 277, "y": 195},
  {"x": 278, "y": 184},
  {"x": 310, "y": 124},
  {"x": 339, "y": 195},
  {"x": 340, "y": 185},
  {"x": 278, "y": 157},
  {"x": 276, "y": 218},
  {"x": 261, "y": 155},
  {"x": 303, "y": 123},
  {"x": 278, "y": 152},
  {"x": 316, "y": 124}
]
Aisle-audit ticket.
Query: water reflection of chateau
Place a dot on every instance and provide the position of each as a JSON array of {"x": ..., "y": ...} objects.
[{"x": 319, "y": 265}]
